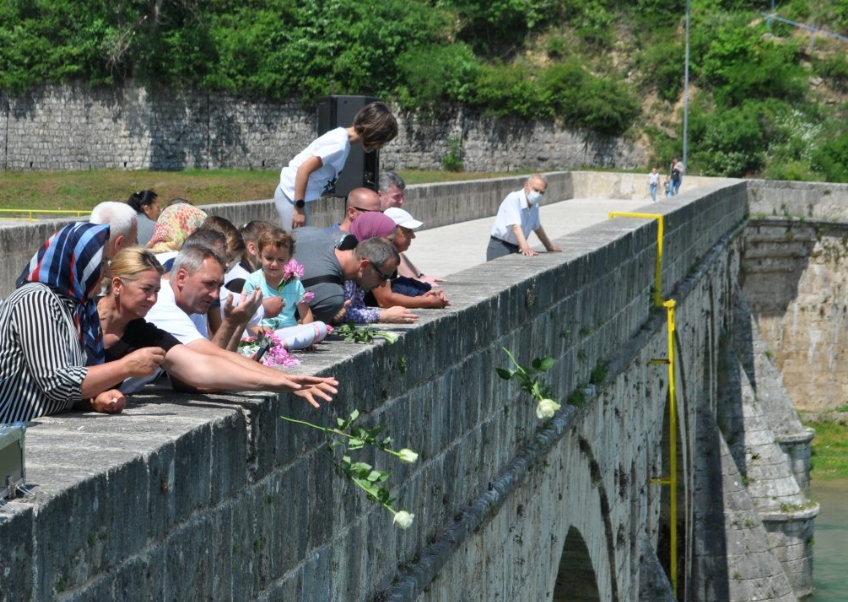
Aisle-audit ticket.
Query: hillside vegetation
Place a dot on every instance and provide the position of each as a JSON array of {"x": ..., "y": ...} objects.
[{"x": 762, "y": 101}]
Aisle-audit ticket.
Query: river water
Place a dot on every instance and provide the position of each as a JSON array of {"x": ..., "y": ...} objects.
[{"x": 830, "y": 551}]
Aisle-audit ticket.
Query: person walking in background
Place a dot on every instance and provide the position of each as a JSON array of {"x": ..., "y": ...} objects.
[
  {"x": 677, "y": 170},
  {"x": 654, "y": 182},
  {"x": 316, "y": 168},
  {"x": 517, "y": 217},
  {"x": 145, "y": 203}
]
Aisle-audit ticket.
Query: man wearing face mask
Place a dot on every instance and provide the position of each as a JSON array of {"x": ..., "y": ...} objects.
[{"x": 517, "y": 216}]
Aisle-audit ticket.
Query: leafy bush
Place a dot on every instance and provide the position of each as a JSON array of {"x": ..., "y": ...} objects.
[
  {"x": 452, "y": 160},
  {"x": 662, "y": 67},
  {"x": 831, "y": 159},
  {"x": 498, "y": 27},
  {"x": 833, "y": 69},
  {"x": 587, "y": 102},
  {"x": 436, "y": 73},
  {"x": 507, "y": 90},
  {"x": 737, "y": 63},
  {"x": 732, "y": 142}
]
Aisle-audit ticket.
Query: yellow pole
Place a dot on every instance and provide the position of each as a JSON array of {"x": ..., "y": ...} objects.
[
  {"x": 672, "y": 442},
  {"x": 671, "y": 479},
  {"x": 658, "y": 301}
]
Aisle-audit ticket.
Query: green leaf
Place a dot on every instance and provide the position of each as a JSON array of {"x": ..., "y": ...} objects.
[
  {"x": 361, "y": 468},
  {"x": 504, "y": 374}
]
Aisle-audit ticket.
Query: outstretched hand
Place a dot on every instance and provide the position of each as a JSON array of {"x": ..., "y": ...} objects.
[{"x": 313, "y": 387}]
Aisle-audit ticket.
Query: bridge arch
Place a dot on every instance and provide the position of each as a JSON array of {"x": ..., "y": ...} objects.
[{"x": 576, "y": 579}]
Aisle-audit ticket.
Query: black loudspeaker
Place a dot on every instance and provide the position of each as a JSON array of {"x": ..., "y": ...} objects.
[{"x": 361, "y": 168}]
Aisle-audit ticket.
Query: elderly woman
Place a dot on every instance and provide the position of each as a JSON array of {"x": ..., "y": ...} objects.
[
  {"x": 135, "y": 284},
  {"x": 372, "y": 225},
  {"x": 51, "y": 344}
]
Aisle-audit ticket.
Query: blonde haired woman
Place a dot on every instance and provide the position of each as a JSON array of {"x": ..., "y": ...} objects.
[{"x": 133, "y": 289}]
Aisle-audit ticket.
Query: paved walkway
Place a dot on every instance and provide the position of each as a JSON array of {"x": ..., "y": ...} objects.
[{"x": 450, "y": 249}]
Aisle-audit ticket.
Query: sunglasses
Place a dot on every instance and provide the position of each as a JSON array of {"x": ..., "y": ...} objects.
[
  {"x": 364, "y": 210},
  {"x": 383, "y": 277}
]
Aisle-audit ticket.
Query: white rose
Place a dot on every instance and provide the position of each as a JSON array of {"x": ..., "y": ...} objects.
[
  {"x": 403, "y": 519},
  {"x": 546, "y": 409},
  {"x": 407, "y": 456}
]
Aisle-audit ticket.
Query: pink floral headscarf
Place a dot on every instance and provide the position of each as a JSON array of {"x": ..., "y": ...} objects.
[
  {"x": 372, "y": 225},
  {"x": 174, "y": 225}
]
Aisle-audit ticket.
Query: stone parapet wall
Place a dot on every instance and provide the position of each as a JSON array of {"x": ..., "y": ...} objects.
[
  {"x": 434, "y": 204},
  {"x": 77, "y": 127},
  {"x": 205, "y": 496}
]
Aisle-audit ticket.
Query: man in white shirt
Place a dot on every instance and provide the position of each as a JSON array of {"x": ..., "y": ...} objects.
[{"x": 517, "y": 217}]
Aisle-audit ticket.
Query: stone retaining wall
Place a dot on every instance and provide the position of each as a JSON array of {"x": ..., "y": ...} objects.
[
  {"x": 75, "y": 126},
  {"x": 794, "y": 279}
]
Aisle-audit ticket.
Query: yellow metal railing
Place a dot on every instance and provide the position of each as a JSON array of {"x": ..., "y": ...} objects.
[
  {"x": 671, "y": 479},
  {"x": 32, "y": 212},
  {"x": 658, "y": 300}
]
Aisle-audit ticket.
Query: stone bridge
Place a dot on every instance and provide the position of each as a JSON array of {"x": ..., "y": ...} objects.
[{"x": 214, "y": 497}]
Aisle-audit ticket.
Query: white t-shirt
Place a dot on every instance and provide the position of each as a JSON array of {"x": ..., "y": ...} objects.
[
  {"x": 170, "y": 318},
  {"x": 333, "y": 149},
  {"x": 515, "y": 210}
]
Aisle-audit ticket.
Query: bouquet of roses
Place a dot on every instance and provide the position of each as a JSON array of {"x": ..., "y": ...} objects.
[{"x": 276, "y": 355}]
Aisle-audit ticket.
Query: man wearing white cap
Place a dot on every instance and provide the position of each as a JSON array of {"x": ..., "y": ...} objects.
[
  {"x": 414, "y": 292},
  {"x": 517, "y": 217},
  {"x": 406, "y": 232}
]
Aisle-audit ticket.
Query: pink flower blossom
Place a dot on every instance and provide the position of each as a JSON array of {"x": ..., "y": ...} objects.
[
  {"x": 277, "y": 354},
  {"x": 307, "y": 297},
  {"x": 292, "y": 270}
]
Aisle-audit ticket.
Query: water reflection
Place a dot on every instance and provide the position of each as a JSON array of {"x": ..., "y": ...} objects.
[{"x": 830, "y": 553}]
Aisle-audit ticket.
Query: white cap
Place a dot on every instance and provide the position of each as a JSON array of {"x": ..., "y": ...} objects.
[{"x": 402, "y": 218}]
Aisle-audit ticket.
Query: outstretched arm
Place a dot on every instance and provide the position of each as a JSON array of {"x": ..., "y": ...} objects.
[
  {"x": 386, "y": 297},
  {"x": 209, "y": 368},
  {"x": 301, "y": 179},
  {"x": 540, "y": 232},
  {"x": 522, "y": 241}
]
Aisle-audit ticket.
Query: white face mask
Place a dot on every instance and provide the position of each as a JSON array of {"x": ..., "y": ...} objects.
[{"x": 534, "y": 197}]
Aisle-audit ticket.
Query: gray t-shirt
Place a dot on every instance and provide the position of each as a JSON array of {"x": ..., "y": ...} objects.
[{"x": 322, "y": 273}]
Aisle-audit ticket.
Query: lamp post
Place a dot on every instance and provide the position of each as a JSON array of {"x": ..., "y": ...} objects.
[{"x": 686, "y": 96}]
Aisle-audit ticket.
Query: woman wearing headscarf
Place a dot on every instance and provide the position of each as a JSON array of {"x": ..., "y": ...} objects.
[
  {"x": 51, "y": 344},
  {"x": 175, "y": 224},
  {"x": 372, "y": 225}
]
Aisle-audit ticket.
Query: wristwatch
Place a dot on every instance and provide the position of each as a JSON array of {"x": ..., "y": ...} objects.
[{"x": 299, "y": 203}]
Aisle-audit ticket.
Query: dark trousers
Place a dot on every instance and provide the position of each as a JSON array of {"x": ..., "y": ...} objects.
[{"x": 499, "y": 248}]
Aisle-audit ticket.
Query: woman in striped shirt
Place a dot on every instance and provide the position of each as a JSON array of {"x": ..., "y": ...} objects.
[{"x": 51, "y": 345}]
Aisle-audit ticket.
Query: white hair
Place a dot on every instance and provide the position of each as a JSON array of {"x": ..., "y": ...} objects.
[{"x": 120, "y": 218}]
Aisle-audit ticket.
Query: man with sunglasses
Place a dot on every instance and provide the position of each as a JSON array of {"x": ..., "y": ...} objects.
[
  {"x": 359, "y": 202},
  {"x": 517, "y": 217},
  {"x": 326, "y": 267}
]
